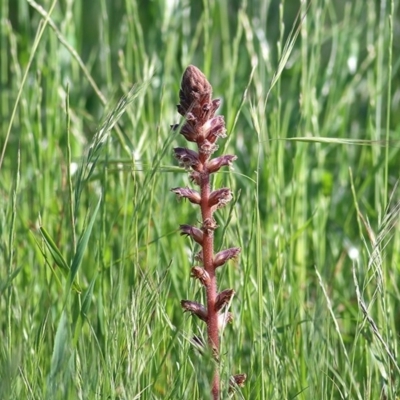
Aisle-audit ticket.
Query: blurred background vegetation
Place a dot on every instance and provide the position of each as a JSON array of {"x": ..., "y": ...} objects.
[{"x": 310, "y": 93}]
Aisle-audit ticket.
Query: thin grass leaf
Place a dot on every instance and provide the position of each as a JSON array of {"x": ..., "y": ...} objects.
[
  {"x": 79, "y": 317},
  {"x": 87, "y": 298},
  {"x": 332, "y": 140},
  {"x": 7, "y": 283},
  {"x": 57, "y": 257},
  {"x": 34, "y": 49},
  {"x": 60, "y": 356},
  {"x": 54, "y": 251},
  {"x": 82, "y": 244},
  {"x": 288, "y": 48}
]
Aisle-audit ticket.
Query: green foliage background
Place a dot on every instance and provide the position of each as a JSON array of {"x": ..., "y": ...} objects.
[{"x": 92, "y": 266}]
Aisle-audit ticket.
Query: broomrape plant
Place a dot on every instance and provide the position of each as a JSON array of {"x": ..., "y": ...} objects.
[{"x": 202, "y": 127}]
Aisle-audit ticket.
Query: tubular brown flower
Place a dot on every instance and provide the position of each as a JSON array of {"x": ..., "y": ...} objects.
[
  {"x": 190, "y": 194},
  {"x": 225, "y": 255},
  {"x": 195, "y": 308},
  {"x": 214, "y": 129},
  {"x": 190, "y": 132},
  {"x": 201, "y": 274},
  {"x": 187, "y": 158},
  {"x": 195, "y": 233},
  {"x": 216, "y": 164},
  {"x": 219, "y": 198}
]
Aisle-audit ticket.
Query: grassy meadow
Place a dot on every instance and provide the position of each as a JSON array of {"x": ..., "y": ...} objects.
[{"x": 92, "y": 265}]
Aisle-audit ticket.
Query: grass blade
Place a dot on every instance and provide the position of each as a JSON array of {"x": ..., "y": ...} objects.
[{"x": 82, "y": 244}]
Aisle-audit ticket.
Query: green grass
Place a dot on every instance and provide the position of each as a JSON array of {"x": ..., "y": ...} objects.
[{"x": 90, "y": 303}]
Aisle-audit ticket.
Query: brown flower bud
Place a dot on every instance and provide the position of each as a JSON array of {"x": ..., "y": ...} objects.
[
  {"x": 216, "y": 163},
  {"x": 220, "y": 198},
  {"x": 201, "y": 274},
  {"x": 223, "y": 299},
  {"x": 225, "y": 255},
  {"x": 195, "y": 309},
  {"x": 195, "y": 95},
  {"x": 190, "y": 194},
  {"x": 187, "y": 158},
  {"x": 195, "y": 233}
]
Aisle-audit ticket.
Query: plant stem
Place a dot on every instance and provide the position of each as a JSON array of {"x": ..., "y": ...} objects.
[{"x": 211, "y": 289}]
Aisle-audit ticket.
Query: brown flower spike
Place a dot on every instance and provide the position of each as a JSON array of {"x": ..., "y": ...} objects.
[{"x": 202, "y": 127}]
